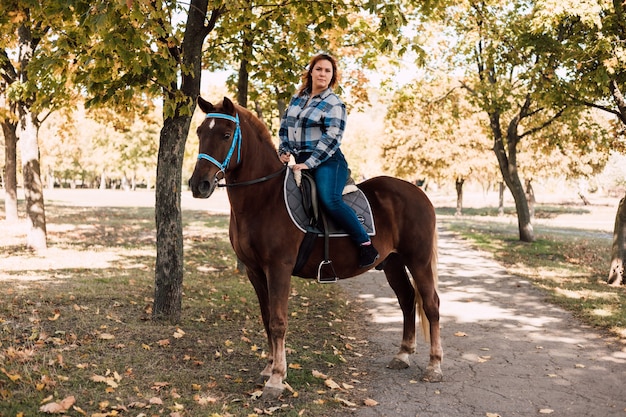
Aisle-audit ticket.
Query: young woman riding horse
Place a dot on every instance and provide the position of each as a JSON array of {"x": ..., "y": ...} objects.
[{"x": 237, "y": 147}]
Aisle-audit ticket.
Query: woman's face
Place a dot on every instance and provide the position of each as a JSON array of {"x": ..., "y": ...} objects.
[{"x": 321, "y": 75}]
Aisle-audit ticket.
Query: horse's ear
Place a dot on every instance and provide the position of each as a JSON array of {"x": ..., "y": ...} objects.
[
  {"x": 229, "y": 107},
  {"x": 204, "y": 105}
]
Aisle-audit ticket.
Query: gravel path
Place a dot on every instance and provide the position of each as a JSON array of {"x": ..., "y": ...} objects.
[{"x": 507, "y": 351}]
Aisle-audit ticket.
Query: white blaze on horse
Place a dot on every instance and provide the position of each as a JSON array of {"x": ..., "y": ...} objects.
[{"x": 237, "y": 147}]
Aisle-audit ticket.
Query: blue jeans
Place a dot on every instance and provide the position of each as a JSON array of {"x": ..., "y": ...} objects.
[{"x": 331, "y": 177}]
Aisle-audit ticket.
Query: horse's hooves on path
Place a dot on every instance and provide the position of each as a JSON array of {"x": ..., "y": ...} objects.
[
  {"x": 397, "y": 364},
  {"x": 432, "y": 375},
  {"x": 271, "y": 394}
]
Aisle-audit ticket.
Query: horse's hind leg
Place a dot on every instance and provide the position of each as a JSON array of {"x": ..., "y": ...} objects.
[
  {"x": 425, "y": 279},
  {"x": 401, "y": 284}
]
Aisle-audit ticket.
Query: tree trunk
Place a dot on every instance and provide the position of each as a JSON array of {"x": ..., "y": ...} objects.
[
  {"x": 168, "y": 216},
  {"x": 501, "y": 188},
  {"x": 169, "y": 231},
  {"x": 459, "y": 196},
  {"x": 507, "y": 161},
  {"x": 10, "y": 172},
  {"x": 618, "y": 250},
  {"x": 33, "y": 187},
  {"x": 530, "y": 195}
]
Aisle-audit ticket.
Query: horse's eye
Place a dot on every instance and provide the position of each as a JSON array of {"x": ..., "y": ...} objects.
[{"x": 226, "y": 136}]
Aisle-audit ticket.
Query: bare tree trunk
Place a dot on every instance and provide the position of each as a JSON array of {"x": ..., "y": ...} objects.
[
  {"x": 530, "y": 195},
  {"x": 33, "y": 187},
  {"x": 10, "y": 174},
  {"x": 618, "y": 250},
  {"x": 169, "y": 260},
  {"x": 459, "y": 196},
  {"x": 501, "y": 188}
]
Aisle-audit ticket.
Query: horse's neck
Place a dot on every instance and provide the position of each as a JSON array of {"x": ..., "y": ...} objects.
[{"x": 258, "y": 160}]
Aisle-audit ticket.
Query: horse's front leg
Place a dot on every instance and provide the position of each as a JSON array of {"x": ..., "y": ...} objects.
[
  {"x": 279, "y": 287},
  {"x": 259, "y": 282}
]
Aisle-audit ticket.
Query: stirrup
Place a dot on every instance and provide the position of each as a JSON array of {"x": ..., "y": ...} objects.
[{"x": 330, "y": 279}]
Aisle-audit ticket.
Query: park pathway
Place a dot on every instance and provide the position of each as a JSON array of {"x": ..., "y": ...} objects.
[{"x": 507, "y": 351}]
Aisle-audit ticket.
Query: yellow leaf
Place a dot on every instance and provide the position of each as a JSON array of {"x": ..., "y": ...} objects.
[
  {"x": 331, "y": 384},
  {"x": 12, "y": 377},
  {"x": 145, "y": 347},
  {"x": 178, "y": 333},
  {"x": 318, "y": 374},
  {"x": 369, "y": 402},
  {"x": 295, "y": 366},
  {"x": 345, "y": 402},
  {"x": 460, "y": 334},
  {"x": 57, "y": 314},
  {"x": 107, "y": 380},
  {"x": 58, "y": 407},
  {"x": 196, "y": 387}
]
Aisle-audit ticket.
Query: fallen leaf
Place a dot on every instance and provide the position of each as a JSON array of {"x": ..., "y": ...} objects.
[
  {"x": 156, "y": 401},
  {"x": 369, "y": 402},
  {"x": 107, "y": 380},
  {"x": 204, "y": 400},
  {"x": 460, "y": 334},
  {"x": 318, "y": 374},
  {"x": 295, "y": 366},
  {"x": 58, "y": 407},
  {"x": 12, "y": 377},
  {"x": 331, "y": 384},
  {"x": 178, "y": 333},
  {"x": 106, "y": 336},
  {"x": 579, "y": 365},
  {"x": 546, "y": 411},
  {"x": 57, "y": 314},
  {"x": 345, "y": 402},
  {"x": 493, "y": 415},
  {"x": 164, "y": 342}
]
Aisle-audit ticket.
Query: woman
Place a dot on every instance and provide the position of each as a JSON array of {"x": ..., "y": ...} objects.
[{"x": 311, "y": 131}]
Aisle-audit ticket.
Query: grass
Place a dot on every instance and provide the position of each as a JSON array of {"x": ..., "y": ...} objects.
[
  {"x": 78, "y": 324},
  {"x": 570, "y": 266}
]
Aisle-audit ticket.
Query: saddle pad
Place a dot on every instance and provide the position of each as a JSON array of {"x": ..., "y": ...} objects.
[{"x": 356, "y": 200}]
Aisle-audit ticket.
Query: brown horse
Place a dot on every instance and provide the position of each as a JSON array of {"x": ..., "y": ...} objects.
[{"x": 237, "y": 147}]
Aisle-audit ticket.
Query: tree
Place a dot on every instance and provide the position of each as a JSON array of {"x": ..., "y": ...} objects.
[
  {"x": 595, "y": 59},
  {"x": 31, "y": 92},
  {"x": 510, "y": 70},
  {"x": 435, "y": 133}
]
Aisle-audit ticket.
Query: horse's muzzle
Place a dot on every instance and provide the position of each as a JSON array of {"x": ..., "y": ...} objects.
[{"x": 202, "y": 188}]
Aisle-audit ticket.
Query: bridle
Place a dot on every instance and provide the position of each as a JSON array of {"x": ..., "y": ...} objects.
[{"x": 236, "y": 143}]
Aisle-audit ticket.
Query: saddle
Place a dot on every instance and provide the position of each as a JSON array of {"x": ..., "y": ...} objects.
[{"x": 308, "y": 215}]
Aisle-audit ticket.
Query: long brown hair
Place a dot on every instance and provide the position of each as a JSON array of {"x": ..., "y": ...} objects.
[{"x": 307, "y": 79}]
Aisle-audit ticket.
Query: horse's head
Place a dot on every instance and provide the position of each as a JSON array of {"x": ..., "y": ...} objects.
[{"x": 220, "y": 146}]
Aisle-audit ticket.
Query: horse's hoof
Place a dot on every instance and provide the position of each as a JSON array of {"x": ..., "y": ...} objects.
[
  {"x": 271, "y": 393},
  {"x": 432, "y": 375},
  {"x": 397, "y": 364}
]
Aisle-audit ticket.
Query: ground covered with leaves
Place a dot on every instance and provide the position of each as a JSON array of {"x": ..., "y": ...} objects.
[{"x": 76, "y": 335}]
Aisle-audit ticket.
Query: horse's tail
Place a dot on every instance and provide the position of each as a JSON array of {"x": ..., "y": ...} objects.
[{"x": 424, "y": 322}]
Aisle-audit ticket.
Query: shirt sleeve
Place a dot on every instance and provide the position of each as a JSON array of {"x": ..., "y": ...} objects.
[
  {"x": 283, "y": 132},
  {"x": 333, "y": 126}
]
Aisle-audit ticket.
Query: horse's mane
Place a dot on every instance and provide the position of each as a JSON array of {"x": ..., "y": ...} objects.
[{"x": 263, "y": 132}]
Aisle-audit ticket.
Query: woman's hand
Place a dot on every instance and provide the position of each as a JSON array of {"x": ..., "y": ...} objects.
[{"x": 299, "y": 167}]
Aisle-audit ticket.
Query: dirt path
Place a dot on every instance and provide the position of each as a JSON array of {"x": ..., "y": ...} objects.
[{"x": 507, "y": 351}]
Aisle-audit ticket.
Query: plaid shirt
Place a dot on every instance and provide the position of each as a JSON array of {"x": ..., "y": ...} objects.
[{"x": 315, "y": 128}]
